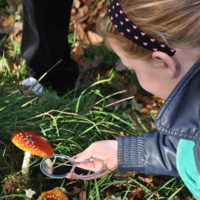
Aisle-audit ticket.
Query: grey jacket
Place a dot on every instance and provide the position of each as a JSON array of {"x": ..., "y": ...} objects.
[{"x": 179, "y": 117}]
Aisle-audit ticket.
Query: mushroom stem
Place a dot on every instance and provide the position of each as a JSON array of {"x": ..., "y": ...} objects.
[{"x": 26, "y": 163}]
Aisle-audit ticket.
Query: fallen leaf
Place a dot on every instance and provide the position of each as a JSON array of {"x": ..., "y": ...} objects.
[
  {"x": 83, "y": 12},
  {"x": 73, "y": 12},
  {"x": 154, "y": 111},
  {"x": 76, "y": 4},
  {"x": 122, "y": 133},
  {"x": 94, "y": 38},
  {"x": 12, "y": 5},
  {"x": 132, "y": 174},
  {"x": 78, "y": 53},
  {"x": 82, "y": 195},
  {"x": 80, "y": 34},
  {"x": 8, "y": 21},
  {"x": 6, "y": 29},
  {"x": 148, "y": 179},
  {"x": 135, "y": 193},
  {"x": 98, "y": 7},
  {"x": 29, "y": 193},
  {"x": 18, "y": 26},
  {"x": 144, "y": 111}
]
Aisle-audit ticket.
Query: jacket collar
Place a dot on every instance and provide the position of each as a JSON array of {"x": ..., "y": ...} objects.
[{"x": 179, "y": 116}]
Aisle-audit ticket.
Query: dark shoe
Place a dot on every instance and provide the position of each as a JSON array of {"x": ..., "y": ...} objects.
[{"x": 61, "y": 78}]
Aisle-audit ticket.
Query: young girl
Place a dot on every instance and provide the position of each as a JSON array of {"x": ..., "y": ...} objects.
[{"x": 160, "y": 41}]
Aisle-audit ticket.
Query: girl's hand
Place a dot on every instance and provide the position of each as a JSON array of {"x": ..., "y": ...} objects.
[{"x": 105, "y": 150}]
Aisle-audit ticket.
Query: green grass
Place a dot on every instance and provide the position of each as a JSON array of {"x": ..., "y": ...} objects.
[
  {"x": 91, "y": 112},
  {"x": 70, "y": 124}
]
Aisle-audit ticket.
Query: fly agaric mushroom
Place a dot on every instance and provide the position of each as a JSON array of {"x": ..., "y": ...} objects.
[
  {"x": 31, "y": 143},
  {"x": 55, "y": 194}
]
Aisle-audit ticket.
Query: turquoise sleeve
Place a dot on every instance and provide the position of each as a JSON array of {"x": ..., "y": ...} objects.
[{"x": 186, "y": 167}]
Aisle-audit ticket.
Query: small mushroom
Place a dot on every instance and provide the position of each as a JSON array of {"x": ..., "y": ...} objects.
[
  {"x": 55, "y": 194},
  {"x": 31, "y": 143}
]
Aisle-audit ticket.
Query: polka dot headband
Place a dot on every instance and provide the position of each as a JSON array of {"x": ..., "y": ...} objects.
[{"x": 123, "y": 24}]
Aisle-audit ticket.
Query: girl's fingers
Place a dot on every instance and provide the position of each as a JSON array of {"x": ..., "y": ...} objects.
[
  {"x": 81, "y": 157},
  {"x": 86, "y": 154},
  {"x": 93, "y": 165},
  {"x": 71, "y": 176}
]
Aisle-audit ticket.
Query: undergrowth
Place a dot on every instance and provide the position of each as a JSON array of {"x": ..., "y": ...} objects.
[
  {"x": 90, "y": 112},
  {"x": 70, "y": 124}
]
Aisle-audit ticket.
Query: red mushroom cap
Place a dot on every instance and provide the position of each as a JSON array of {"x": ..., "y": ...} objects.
[
  {"x": 55, "y": 194},
  {"x": 33, "y": 143}
]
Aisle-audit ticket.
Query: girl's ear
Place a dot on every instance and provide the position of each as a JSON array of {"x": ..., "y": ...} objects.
[{"x": 168, "y": 62}]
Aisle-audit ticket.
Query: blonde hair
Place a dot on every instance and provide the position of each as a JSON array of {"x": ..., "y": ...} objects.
[{"x": 174, "y": 22}]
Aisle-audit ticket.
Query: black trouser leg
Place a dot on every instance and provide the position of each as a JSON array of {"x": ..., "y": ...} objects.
[{"x": 44, "y": 42}]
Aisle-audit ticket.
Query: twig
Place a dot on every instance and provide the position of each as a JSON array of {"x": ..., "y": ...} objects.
[
  {"x": 121, "y": 100},
  {"x": 43, "y": 114},
  {"x": 111, "y": 95}
]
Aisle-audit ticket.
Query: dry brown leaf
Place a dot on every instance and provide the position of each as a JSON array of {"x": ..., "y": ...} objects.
[
  {"x": 84, "y": 26},
  {"x": 109, "y": 193},
  {"x": 80, "y": 33},
  {"x": 79, "y": 49},
  {"x": 148, "y": 179},
  {"x": 6, "y": 25},
  {"x": 8, "y": 21},
  {"x": 76, "y": 4},
  {"x": 12, "y": 5},
  {"x": 73, "y": 12},
  {"x": 122, "y": 133},
  {"x": 152, "y": 185},
  {"x": 6, "y": 29},
  {"x": 83, "y": 12},
  {"x": 132, "y": 174},
  {"x": 78, "y": 53},
  {"x": 91, "y": 21},
  {"x": 161, "y": 101},
  {"x": 16, "y": 32},
  {"x": 79, "y": 16},
  {"x": 94, "y": 38},
  {"x": 18, "y": 26},
  {"x": 98, "y": 7},
  {"x": 82, "y": 195},
  {"x": 154, "y": 111},
  {"x": 144, "y": 111},
  {"x": 135, "y": 193}
]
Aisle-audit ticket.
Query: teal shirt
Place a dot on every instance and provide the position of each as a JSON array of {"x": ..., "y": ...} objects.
[{"x": 187, "y": 168}]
